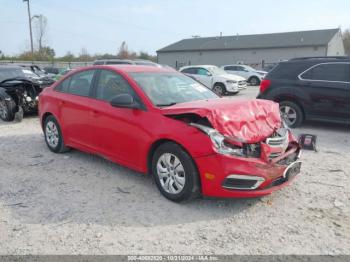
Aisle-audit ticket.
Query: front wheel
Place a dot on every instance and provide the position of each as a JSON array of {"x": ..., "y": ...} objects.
[
  {"x": 291, "y": 113},
  {"x": 219, "y": 89},
  {"x": 175, "y": 173},
  {"x": 7, "y": 109}
]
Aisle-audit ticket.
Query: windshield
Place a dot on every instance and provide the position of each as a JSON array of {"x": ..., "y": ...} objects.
[
  {"x": 29, "y": 73},
  {"x": 165, "y": 89},
  {"x": 7, "y": 73},
  {"x": 216, "y": 70}
]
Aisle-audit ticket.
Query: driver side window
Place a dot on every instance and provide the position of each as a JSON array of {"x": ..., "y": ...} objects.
[
  {"x": 203, "y": 72},
  {"x": 111, "y": 84}
]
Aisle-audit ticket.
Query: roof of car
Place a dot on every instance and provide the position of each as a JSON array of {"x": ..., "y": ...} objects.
[
  {"x": 132, "y": 68},
  {"x": 318, "y": 59},
  {"x": 204, "y": 66}
]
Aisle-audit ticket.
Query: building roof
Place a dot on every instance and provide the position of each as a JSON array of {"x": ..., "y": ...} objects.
[{"x": 287, "y": 39}]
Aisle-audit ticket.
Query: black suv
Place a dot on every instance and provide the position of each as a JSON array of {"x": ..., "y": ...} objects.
[{"x": 312, "y": 88}]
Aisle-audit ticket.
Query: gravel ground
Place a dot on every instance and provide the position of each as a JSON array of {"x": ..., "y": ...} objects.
[{"x": 76, "y": 203}]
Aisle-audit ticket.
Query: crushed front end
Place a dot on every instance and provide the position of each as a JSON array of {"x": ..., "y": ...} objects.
[
  {"x": 251, "y": 169},
  {"x": 253, "y": 153}
]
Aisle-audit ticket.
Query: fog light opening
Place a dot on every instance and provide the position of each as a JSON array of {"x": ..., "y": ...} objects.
[{"x": 242, "y": 182}]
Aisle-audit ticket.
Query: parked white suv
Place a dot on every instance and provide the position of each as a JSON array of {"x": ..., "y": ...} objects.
[
  {"x": 215, "y": 78},
  {"x": 252, "y": 76}
]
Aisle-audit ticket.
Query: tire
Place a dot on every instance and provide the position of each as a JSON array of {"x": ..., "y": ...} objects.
[
  {"x": 7, "y": 109},
  {"x": 219, "y": 89},
  {"x": 254, "y": 81},
  {"x": 53, "y": 135},
  {"x": 291, "y": 113},
  {"x": 170, "y": 163}
]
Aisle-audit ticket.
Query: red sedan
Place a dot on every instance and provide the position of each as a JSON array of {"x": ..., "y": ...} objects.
[{"x": 161, "y": 122}]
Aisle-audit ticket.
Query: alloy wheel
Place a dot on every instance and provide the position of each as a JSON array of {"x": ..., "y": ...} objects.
[
  {"x": 254, "y": 81},
  {"x": 171, "y": 173},
  {"x": 52, "y": 134},
  {"x": 218, "y": 90},
  {"x": 289, "y": 115}
]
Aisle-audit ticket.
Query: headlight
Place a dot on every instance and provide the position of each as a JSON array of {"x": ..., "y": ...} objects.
[
  {"x": 220, "y": 143},
  {"x": 231, "y": 82}
]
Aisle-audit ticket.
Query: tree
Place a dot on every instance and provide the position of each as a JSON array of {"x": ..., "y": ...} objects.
[
  {"x": 68, "y": 57},
  {"x": 40, "y": 31},
  {"x": 145, "y": 56},
  {"x": 346, "y": 40},
  {"x": 84, "y": 55},
  {"x": 123, "y": 52}
]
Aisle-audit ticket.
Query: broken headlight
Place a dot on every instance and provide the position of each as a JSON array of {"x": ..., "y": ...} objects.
[{"x": 220, "y": 142}]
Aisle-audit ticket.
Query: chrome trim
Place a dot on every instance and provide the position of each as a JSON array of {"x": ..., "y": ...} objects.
[
  {"x": 278, "y": 141},
  {"x": 288, "y": 167},
  {"x": 259, "y": 180},
  {"x": 328, "y": 81}
]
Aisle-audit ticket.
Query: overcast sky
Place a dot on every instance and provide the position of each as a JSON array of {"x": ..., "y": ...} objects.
[{"x": 148, "y": 25}]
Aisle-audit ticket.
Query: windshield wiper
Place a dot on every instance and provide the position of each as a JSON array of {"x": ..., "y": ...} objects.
[{"x": 169, "y": 104}]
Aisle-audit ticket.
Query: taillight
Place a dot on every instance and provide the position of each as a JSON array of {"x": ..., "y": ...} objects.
[{"x": 265, "y": 84}]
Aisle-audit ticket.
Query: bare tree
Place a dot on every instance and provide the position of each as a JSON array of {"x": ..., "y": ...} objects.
[
  {"x": 40, "y": 31},
  {"x": 123, "y": 52},
  {"x": 346, "y": 39}
]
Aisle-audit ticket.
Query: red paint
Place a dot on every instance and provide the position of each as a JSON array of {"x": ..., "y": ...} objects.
[
  {"x": 126, "y": 136},
  {"x": 247, "y": 121}
]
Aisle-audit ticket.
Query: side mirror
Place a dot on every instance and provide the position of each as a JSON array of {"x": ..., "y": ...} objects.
[{"x": 125, "y": 101}]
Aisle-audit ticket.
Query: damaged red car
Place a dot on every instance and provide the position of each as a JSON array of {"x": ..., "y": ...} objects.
[{"x": 160, "y": 122}]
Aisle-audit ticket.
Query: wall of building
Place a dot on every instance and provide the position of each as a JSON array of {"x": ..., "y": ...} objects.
[
  {"x": 249, "y": 56},
  {"x": 336, "y": 45}
]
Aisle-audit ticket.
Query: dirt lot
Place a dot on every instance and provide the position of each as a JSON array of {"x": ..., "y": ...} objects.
[{"x": 77, "y": 203}]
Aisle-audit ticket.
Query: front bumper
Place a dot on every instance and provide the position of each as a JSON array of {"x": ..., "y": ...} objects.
[{"x": 215, "y": 169}]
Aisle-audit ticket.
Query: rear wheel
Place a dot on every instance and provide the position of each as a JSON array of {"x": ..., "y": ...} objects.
[
  {"x": 175, "y": 173},
  {"x": 7, "y": 109},
  {"x": 53, "y": 135},
  {"x": 291, "y": 113},
  {"x": 254, "y": 81}
]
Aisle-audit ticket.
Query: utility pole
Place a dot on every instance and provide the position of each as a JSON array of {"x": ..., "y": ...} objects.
[{"x": 30, "y": 28}]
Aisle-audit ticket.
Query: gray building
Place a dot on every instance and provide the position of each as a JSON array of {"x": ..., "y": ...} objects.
[{"x": 255, "y": 50}]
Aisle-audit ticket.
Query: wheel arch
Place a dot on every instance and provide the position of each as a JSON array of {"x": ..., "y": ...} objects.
[
  {"x": 46, "y": 115},
  {"x": 294, "y": 100},
  {"x": 157, "y": 144},
  {"x": 219, "y": 83}
]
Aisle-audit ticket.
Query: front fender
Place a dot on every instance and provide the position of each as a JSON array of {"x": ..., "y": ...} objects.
[{"x": 4, "y": 94}]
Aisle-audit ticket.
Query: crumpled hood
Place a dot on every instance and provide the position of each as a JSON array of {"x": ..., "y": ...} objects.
[{"x": 246, "y": 121}]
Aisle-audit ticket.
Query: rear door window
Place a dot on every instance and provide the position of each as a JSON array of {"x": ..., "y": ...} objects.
[
  {"x": 63, "y": 86},
  {"x": 328, "y": 72},
  {"x": 230, "y": 68},
  {"x": 80, "y": 83}
]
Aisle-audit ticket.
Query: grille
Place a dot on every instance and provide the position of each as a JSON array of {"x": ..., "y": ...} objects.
[
  {"x": 278, "y": 139},
  {"x": 242, "y": 83}
]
